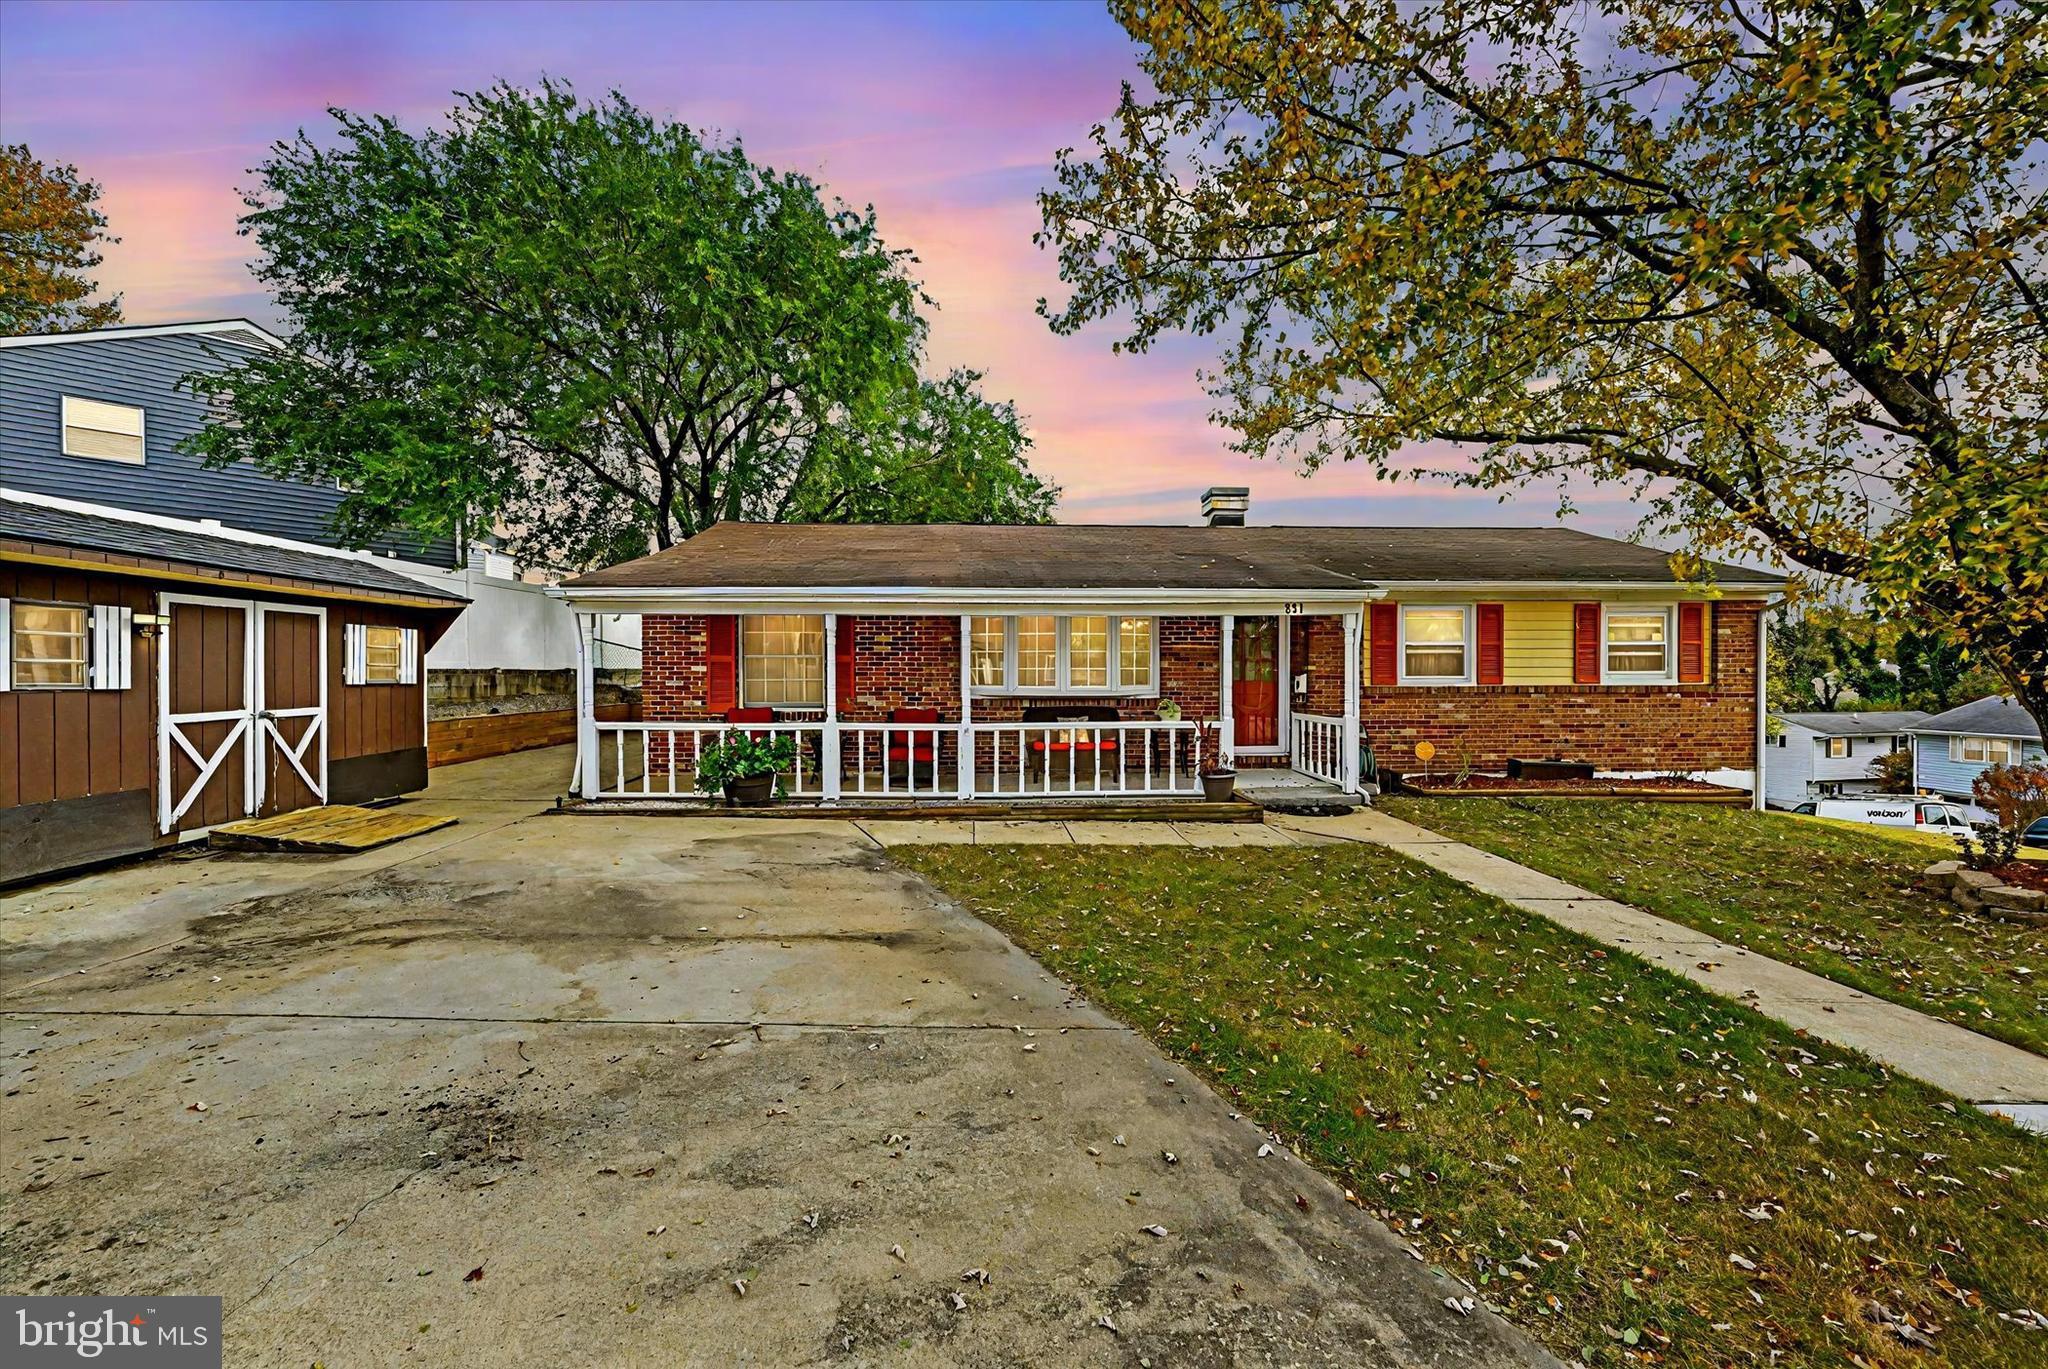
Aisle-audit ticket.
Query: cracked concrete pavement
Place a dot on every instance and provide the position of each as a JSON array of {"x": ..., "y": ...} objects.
[{"x": 621, "y": 1065}]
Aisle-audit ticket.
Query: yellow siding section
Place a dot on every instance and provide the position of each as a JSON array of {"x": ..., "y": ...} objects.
[{"x": 1536, "y": 643}]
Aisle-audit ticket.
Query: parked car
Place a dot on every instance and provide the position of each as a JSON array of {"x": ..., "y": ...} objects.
[
  {"x": 1898, "y": 810},
  {"x": 2036, "y": 834}
]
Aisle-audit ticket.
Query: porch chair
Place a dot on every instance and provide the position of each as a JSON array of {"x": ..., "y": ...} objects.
[{"x": 917, "y": 750}]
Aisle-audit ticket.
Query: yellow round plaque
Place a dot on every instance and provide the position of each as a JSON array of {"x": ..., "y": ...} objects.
[{"x": 1425, "y": 750}]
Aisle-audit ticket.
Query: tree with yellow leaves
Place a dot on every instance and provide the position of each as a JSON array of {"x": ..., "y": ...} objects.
[{"x": 1776, "y": 267}]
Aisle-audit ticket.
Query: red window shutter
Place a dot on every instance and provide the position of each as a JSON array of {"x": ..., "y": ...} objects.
[
  {"x": 721, "y": 660},
  {"x": 842, "y": 662},
  {"x": 1491, "y": 656},
  {"x": 1586, "y": 643},
  {"x": 1692, "y": 643},
  {"x": 1386, "y": 643}
]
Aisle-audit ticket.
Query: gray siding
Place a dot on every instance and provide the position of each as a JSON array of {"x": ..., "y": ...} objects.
[{"x": 145, "y": 371}]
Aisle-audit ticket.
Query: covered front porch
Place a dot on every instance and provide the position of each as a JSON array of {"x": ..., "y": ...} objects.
[{"x": 1046, "y": 701}]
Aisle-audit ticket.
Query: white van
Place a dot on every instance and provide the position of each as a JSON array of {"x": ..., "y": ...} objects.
[{"x": 1894, "y": 810}]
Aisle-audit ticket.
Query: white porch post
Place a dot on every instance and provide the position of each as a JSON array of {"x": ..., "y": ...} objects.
[
  {"x": 586, "y": 712},
  {"x": 828, "y": 743},
  {"x": 966, "y": 775},
  {"x": 1353, "y": 622},
  {"x": 1763, "y": 717},
  {"x": 1226, "y": 744}
]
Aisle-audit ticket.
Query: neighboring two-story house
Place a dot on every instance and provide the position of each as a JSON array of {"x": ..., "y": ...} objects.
[
  {"x": 1951, "y": 749},
  {"x": 1817, "y": 755},
  {"x": 94, "y": 421}
]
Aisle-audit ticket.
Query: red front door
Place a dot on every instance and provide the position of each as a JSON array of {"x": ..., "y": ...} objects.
[{"x": 1255, "y": 682}]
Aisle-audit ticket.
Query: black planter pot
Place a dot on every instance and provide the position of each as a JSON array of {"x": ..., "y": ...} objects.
[
  {"x": 751, "y": 792},
  {"x": 1219, "y": 785}
]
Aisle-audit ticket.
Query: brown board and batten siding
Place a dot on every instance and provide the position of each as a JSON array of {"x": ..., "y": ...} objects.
[
  {"x": 379, "y": 745},
  {"x": 111, "y": 731},
  {"x": 79, "y": 767}
]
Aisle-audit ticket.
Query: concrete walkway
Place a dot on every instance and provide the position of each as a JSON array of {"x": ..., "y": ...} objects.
[{"x": 1999, "y": 1077}]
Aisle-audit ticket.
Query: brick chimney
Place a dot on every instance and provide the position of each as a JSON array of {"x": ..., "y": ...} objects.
[{"x": 1224, "y": 506}]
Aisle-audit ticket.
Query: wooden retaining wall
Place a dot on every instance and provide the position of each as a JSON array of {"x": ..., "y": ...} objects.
[{"x": 450, "y": 740}]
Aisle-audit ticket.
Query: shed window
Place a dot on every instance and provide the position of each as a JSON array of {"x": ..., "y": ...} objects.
[
  {"x": 49, "y": 646},
  {"x": 1638, "y": 645},
  {"x": 1046, "y": 654},
  {"x": 1983, "y": 750},
  {"x": 106, "y": 432},
  {"x": 782, "y": 660},
  {"x": 1436, "y": 645},
  {"x": 383, "y": 653}
]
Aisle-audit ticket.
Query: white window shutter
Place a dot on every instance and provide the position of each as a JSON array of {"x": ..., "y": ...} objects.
[
  {"x": 6, "y": 645},
  {"x": 113, "y": 646},
  {"x": 354, "y": 653},
  {"x": 409, "y": 655}
]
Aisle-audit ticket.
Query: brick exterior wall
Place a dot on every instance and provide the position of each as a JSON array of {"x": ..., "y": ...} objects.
[
  {"x": 905, "y": 661},
  {"x": 1706, "y": 726}
]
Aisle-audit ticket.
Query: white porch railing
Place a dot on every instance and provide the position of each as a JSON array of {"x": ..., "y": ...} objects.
[
  {"x": 1085, "y": 759},
  {"x": 659, "y": 760},
  {"x": 1319, "y": 747},
  {"x": 907, "y": 760},
  {"x": 1006, "y": 760}
]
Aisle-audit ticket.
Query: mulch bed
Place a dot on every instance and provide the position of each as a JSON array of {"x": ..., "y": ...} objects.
[
  {"x": 1659, "y": 785},
  {"x": 2027, "y": 874}
]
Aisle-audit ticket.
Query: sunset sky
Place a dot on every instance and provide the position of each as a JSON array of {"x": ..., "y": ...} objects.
[{"x": 944, "y": 117}]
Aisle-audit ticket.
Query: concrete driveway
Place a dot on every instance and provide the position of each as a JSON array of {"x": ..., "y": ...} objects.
[{"x": 550, "y": 1090}]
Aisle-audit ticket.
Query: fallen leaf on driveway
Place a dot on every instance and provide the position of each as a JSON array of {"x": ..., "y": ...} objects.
[{"x": 475, "y": 1275}]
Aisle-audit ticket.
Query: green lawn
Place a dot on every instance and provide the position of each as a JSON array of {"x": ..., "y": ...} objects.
[
  {"x": 1823, "y": 896},
  {"x": 1628, "y": 1165}
]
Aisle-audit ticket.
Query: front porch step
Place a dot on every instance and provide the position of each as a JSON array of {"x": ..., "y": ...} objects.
[{"x": 984, "y": 810}]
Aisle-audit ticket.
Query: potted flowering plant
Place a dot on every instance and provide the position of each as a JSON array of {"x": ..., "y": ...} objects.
[{"x": 744, "y": 767}]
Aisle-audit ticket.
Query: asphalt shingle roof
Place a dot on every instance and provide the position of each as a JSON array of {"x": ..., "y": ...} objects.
[
  {"x": 1996, "y": 715},
  {"x": 1097, "y": 556},
  {"x": 1856, "y": 724},
  {"x": 26, "y": 522}
]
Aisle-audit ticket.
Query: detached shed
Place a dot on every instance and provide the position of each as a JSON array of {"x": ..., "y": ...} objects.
[{"x": 156, "y": 681}]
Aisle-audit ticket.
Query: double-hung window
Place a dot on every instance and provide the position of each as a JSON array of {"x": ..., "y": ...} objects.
[
  {"x": 1078, "y": 654},
  {"x": 1838, "y": 748},
  {"x": 1636, "y": 644},
  {"x": 782, "y": 660},
  {"x": 1983, "y": 750},
  {"x": 1436, "y": 644}
]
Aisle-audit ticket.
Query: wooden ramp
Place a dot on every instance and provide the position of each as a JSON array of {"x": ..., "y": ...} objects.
[{"x": 333, "y": 830}]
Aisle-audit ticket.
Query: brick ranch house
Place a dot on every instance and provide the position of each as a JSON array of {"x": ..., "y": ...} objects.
[{"x": 1018, "y": 662}]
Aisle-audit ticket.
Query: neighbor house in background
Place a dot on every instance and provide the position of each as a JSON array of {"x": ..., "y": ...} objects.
[
  {"x": 1819, "y": 754},
  {"x": 1951, "y": 749},
  {"x": 156, "y": 681},
  {"x": 966, "y": 663},
  {"x": 92, "y": 422}
]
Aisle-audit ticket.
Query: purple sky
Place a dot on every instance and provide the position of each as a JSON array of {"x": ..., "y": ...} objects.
[{"x": 945, "y": 117}]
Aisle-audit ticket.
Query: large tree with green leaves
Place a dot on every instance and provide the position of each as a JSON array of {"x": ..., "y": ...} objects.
[
  {"x": 51, "y": 230},
  {"x": 598, "y": 331},
  {"x": 1776, "y": 266}
]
